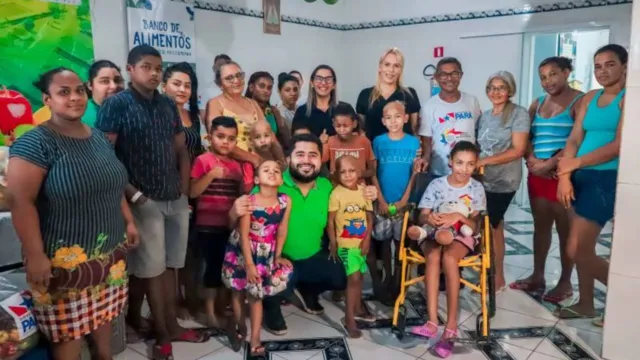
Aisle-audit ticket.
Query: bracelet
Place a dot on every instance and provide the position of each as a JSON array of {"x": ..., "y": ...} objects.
[
  {"x": 135, "y": 197},
  {"x": 393, "y": 210}
]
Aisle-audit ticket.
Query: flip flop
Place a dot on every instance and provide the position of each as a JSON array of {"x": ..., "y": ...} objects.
[
  {"x": 367, "y": 318},
  {"x": 556, "y": 299},
  {"x": 195, "y": 336},
  {"x": 444, "y": 347},
  {"x": 527, "y": 286},
  {"x": 258, "y": 351},
  {"x": 162, "y": 352},
  {"x": 424, "y": 331},
  {"x": 567, "y": 313}
]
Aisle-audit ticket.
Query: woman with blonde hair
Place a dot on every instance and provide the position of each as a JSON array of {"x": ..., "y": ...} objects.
[
  {"x": 388, "y": 88},
  {"x": 503, "y": 136}
]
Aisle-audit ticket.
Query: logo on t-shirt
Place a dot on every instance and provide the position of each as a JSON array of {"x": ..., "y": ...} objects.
[
  {"x": 450, "y": 136},
  {"x": 466, "y": 199},
  {"x": 462, "y": 115},
  {"x": 351, "y": 152}
]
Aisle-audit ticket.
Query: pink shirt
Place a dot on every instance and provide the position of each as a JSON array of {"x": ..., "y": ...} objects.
[{"x": 212, "y": 209}]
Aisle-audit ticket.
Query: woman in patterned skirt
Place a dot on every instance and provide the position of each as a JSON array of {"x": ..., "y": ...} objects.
[{"x": 66, "y": 190}]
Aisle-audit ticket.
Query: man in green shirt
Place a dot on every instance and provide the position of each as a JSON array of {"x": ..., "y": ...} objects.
[{"x": 314, "y": 273}]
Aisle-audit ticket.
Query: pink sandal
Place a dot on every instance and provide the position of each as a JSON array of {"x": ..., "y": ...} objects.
[
  {"x": 444, "y": 347},
  {"x": 424, "y": 330}
]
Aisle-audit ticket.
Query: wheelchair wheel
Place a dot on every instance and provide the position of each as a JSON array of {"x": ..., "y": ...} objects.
[
  {"x": 399, "y": 329},
  {"x": 479, "y": 325}
]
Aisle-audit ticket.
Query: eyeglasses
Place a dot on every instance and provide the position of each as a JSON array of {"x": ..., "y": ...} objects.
[
  {"x": 236, "y": 76},
  {"x": 497, "y": 89},
  {"x": 322, "y": 79},
  {"x": 451, "y": 75}
]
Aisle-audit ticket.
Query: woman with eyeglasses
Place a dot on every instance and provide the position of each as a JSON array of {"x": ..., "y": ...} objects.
[
  {"x": 503, "y": 136},
  {"x": 260, "y": 88},
  {"x": 230, "y": 78},
  {"x": 316, "y": 113},
  {"x": 388, "y": 88}
]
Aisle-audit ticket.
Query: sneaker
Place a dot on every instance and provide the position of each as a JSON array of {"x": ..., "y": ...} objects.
[
  {"x": 273, "y": 321},
  {"x": 310, "y": 303}
]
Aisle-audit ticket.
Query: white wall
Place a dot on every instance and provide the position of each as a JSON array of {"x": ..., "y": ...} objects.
[
  {"x": 623, "y": 291},
  {"x": 299, "y": 47},
  {"x": 482, "y": 45}
]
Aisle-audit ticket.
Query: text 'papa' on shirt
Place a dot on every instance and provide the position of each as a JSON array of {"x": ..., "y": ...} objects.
[
  {"x": 212, "y": 209},
  {"x": 395, "y": 164},
  {"x": 446, "y": 124},
  {"x": 146, "y": 129}
]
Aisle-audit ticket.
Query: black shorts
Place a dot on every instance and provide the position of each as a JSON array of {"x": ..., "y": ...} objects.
[
  {"x": 212, "y": 247},
  {"x": 497, "y": 205}
]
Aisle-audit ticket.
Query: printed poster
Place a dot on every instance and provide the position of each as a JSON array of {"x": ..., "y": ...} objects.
[
  {"x": 37, "y": 36},
  {"x": 271, "y": 16},
  {"x": 168, "y": 26}
]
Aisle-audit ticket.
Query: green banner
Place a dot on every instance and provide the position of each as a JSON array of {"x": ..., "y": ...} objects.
[{"x": 39, "y": 35}]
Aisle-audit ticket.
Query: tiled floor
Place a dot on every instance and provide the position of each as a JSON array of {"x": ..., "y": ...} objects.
[{"x": 523, "y": 326}]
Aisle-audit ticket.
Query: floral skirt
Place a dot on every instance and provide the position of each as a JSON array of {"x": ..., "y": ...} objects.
[
  {"x": 274, "y": 277},
  {"x": 81, "y": 299}
]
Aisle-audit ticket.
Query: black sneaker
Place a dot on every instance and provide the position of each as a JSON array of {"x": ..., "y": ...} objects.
[
  {"x": 273, "y": 321},
  {"x": 310, "y": 303}
]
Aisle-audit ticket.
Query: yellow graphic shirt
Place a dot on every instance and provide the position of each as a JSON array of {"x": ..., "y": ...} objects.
[{"x": 351, "y": 215}]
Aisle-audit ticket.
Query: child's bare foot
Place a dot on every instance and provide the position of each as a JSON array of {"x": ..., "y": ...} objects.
[
  {"x": 257, "y": 350},
  {"x": 351, "y": 327}
]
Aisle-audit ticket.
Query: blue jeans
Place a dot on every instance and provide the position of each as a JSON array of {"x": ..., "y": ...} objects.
[{"x": 312, "y": 276}]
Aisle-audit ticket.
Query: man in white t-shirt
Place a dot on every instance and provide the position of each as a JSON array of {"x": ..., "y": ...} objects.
[
  {"x": 211, "y": 90},
  {"x": 447, "y": 118}
]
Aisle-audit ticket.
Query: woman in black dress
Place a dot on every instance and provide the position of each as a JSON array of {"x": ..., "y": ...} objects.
[{"x": 181, "y": 85}]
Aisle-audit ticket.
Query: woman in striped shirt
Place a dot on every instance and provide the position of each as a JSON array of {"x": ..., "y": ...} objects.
[{"x": 552, "y": 120}]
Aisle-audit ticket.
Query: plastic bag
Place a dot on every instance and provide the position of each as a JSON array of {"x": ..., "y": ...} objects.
[{"x": 18, "y": 329}]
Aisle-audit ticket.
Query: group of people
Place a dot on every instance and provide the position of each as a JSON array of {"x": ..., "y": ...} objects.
[{"x": 121, "y": 190}]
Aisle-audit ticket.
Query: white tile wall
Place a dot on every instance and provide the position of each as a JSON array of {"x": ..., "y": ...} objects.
[{"x": 622, "y": 313}]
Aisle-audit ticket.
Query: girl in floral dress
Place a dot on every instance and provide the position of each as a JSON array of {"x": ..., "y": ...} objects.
[{"x": 253, "y": 264}]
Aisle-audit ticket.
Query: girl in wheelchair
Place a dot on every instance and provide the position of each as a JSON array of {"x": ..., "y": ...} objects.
[{"x": 449, "y": 217}]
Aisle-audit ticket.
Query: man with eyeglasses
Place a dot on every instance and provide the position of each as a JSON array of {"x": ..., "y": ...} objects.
[{"x": 447, "y": 118}]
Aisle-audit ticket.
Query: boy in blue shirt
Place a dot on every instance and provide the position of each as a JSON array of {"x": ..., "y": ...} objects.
[{"x": 397, "y": 166}]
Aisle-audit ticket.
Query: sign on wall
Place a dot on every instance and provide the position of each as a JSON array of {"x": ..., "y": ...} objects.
[{"x": 166, "y": 25}]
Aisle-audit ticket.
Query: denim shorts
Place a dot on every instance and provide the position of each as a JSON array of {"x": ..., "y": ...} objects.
[
  {"x": 164, "y": 230},
  {"x": 595, "y": 193}
]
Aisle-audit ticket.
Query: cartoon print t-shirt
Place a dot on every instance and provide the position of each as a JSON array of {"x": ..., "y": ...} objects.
[
  {"x": 447, "y": 123},
  {"x": 440, "y": 191},
  {"x": 351, "y": 215}
]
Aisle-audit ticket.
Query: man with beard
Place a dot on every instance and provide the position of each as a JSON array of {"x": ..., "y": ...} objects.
[{"x": 314, "y": 273}]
